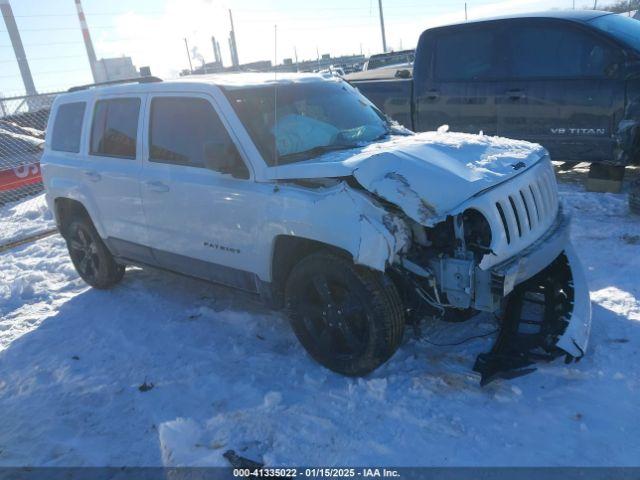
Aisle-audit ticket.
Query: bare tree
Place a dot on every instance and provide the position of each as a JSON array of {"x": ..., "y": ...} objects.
[{"x": 622, "y": 6}]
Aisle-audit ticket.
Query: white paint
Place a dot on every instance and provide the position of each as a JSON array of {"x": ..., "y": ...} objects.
[{"x": 215, "y": 356}]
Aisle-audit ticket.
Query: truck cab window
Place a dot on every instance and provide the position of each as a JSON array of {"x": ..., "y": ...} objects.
[
  {"x": 466, "y": 55},
  {"x": 115, "y": 128},
  {"x": 184, "y": 131},
  {"x": 556, "y": 51}
]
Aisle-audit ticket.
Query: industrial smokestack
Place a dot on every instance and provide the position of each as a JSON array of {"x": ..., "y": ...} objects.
[
  {"x": 18, "y": 49},
  {"x": 233, "y": 44},
  {"x": 215, "y": 50},
  {"x": 233, "y": 57},
  {"x": 219, "y": 53},
  {"x": 93, "y": 61}
]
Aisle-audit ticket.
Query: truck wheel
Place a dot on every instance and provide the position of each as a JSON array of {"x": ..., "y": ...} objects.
[
  {"x": 634, "y": 197},
  {"x": 93, "y": 261},
  {"x": 349, "y": 318}
]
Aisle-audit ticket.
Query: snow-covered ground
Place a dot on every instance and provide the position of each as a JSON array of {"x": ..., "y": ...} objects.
[
  {"x": 229, "y": 374},
  {"x": 19, "y": 220}
]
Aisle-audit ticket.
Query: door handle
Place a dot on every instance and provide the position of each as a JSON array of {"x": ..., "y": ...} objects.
[
  {"x": 92, "y": 175},
  {"x": 157, "y": 186},
  {"x": 515, "y": 94},
  {"x": 432, "y": 94}
]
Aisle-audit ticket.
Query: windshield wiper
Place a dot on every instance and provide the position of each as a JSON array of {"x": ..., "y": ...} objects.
[{"x": 314, "y": 152}]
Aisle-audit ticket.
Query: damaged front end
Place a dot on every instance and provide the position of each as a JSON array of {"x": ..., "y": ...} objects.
[
  {"x": 545, "y": 316},
  {"x": 540, "y": 297},
  {"x": 505, "y": 252}
]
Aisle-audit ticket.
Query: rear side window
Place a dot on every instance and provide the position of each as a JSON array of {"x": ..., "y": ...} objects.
[
  {"x": 180, "y": 129},
  {"x": 556, "y": 51},
  {"x": 466, "y": 55},
  {"x": 67, "y": 127},
  {"x": 115, "y": 127}
]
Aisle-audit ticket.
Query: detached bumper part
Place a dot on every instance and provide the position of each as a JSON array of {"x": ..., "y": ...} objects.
[{"x": 547, "y": 312}]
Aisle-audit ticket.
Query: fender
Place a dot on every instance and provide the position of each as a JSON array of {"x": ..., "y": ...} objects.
[
  {"x": 58, "y": 187},
  {"x": 342, "y": 217},
  {"x": 627, "y": 134}
]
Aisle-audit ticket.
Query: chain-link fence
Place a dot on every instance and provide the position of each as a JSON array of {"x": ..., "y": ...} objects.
[{"x": 23, "y": 120}]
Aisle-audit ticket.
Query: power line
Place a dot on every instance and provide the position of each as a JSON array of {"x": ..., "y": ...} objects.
[
  {"x": 51, "y": 72},
  {"x": 257, "y": 10},
  {"x": 44, "y": 58}
]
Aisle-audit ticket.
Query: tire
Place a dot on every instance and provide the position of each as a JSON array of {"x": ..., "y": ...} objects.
[
  {"x": 349, "y": 319},
  {"x": 634, "y": 197},
  {"x": 90, "y": 256}
]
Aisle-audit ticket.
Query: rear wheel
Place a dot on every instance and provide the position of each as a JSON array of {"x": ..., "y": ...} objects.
[
  {"x": 348, "y": 318},
  {"x": 90, "y": 256}
]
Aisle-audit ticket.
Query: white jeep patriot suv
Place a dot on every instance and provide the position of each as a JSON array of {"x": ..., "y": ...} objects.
[{"x": 300, "y": 190}]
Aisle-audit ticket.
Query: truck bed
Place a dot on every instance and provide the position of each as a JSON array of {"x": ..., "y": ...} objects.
[{"x": 389, "y": 93}]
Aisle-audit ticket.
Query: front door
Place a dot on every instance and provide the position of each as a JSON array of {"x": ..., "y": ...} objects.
[
  {"x": 562, "y": 90},
  {"x": 200, "y": 222}
]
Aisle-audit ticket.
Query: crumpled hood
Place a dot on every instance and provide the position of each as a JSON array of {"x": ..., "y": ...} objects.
[{"x": 427, "y": 174}]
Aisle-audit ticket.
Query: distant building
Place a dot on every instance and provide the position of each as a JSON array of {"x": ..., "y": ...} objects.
[
  {"x": 348, "y": 63},
  {"x": 259, "y": 66},
  {"x": 119, "y": 68}
]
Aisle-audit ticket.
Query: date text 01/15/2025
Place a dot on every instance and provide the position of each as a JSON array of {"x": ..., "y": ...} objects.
[{"x": 316, "y": 472}]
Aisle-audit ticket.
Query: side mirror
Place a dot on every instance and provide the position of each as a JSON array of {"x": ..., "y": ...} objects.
[{"x": 221, "y": 157}]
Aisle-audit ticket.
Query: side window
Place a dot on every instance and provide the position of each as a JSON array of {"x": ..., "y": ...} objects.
[
  {"x": 67, "y": 127},
  {"x": 188, "y": 131},
  {"x": 468, "y": 54},
  {"x": 115, "y": 127},
  {"x": 556, "y": 51}
]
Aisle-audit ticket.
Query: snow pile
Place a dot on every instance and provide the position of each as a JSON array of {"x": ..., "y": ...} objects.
[
  {"x": 21, "y": 219},
  {"x": 222, "y": 372}
]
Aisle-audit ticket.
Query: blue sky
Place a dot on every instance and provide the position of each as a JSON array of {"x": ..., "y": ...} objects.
[{"x": 152, "y": 31}]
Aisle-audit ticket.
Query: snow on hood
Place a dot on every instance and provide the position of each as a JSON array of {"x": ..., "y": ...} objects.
[{"x": 427, "y": 174}]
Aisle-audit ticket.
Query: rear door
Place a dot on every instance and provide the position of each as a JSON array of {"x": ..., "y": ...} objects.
[
  {"x": 563, "y": 89},
  {"x": 113, "y": 166},
  {"x": 458, "y": 77}
]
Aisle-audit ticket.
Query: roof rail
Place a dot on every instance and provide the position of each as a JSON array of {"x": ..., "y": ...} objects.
[{"x": 147, "y": 79}]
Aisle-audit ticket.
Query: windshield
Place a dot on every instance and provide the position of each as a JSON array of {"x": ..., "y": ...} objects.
[
  {"x": 311, "y": 118},
  {"x": 625, "y": 29}
]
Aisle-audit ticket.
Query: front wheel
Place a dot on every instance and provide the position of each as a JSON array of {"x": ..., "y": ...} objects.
[
  {"x": 93, "y": 261},
  {"x": 349, "y": 318}
]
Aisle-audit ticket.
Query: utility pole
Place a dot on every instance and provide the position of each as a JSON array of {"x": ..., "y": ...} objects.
[
  {"x": 186, "y": 45},
  {"x": 384, "y": 37},
  {"x": 18, "y": 49},
  {"x": 91, "y": 53},
  {"x": 465, "y": 12},
  {"x": 595, "y": 4}
]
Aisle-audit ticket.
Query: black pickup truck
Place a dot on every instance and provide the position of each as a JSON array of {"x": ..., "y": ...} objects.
[{"x": 567, "y": 80}]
